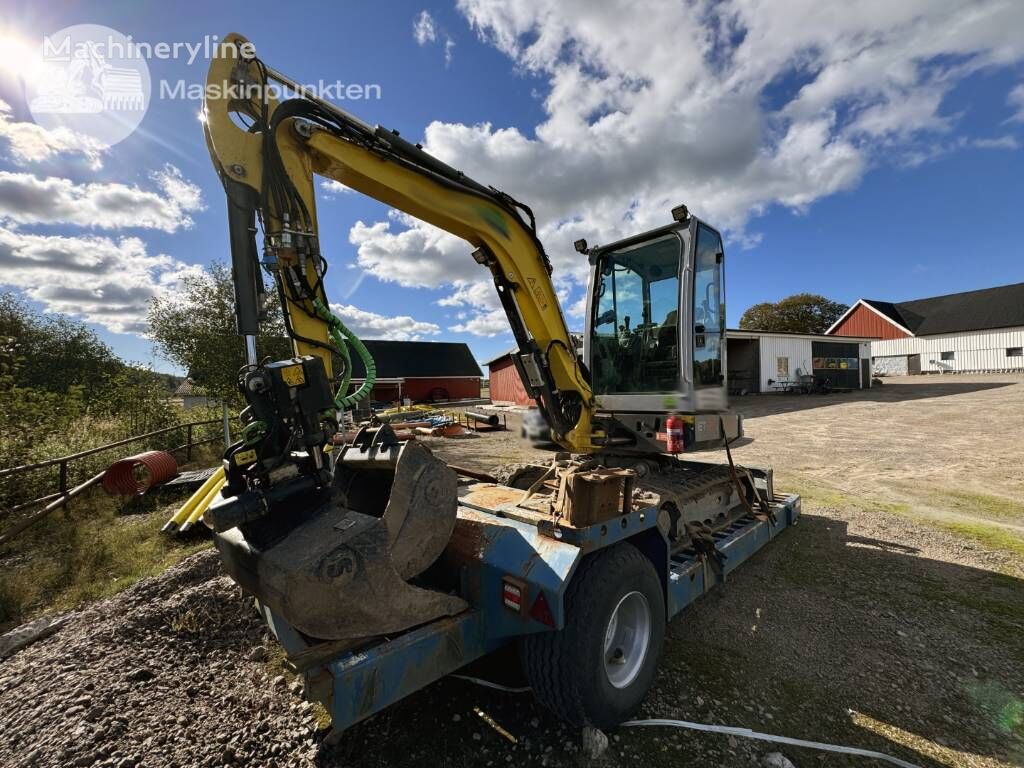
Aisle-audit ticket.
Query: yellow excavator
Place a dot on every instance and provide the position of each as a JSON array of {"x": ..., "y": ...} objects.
[{"x": 379, "y": 567}]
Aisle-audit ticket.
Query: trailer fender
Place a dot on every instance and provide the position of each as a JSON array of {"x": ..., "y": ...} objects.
[{"x": 510, "y": 572}]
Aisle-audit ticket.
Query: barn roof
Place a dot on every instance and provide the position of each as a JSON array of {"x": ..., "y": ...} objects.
[
  {"x": 417, "y": 359},
  {"x": 188, "y": 388},
  {"x": 999, "y": 307},
  {"x": 502, "y": 356}
]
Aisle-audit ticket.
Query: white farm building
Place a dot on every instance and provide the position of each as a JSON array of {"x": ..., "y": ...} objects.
[
  {"x": 975, "y": 331},
  {"x": 776, "y": 361}
]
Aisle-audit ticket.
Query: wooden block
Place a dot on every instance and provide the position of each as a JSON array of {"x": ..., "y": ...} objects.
[{"x": 594, "y": 496}]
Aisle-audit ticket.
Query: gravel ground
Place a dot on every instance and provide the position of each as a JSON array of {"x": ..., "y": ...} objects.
[
  {"x": 170, "y": 672},
  {"x": 860, "y": 626}
]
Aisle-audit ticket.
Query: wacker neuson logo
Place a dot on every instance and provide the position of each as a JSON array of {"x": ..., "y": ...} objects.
[{"x": 95, "y": 81}]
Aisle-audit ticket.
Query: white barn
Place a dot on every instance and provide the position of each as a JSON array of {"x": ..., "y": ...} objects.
[{"x": 975, "y": 331}]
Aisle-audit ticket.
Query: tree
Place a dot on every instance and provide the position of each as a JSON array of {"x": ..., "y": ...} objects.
[
  {"x": 53, "y": 352},
  {"x": 59, "y": 383},
  {"x": 799, "y": 313},
  {"x": 195, "y": 328}
]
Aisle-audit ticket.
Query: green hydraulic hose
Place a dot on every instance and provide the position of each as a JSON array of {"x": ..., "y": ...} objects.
[{"x": 342, "y": 337}]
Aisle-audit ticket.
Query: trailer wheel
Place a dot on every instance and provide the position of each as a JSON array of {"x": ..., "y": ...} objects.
[{"x": 598, "y": 668}]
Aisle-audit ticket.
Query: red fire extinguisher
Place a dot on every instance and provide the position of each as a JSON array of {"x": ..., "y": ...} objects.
[{"x": 674, "y": 433}]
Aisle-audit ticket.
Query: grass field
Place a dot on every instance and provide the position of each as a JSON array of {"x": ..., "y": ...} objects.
[{"x": 96, "y": 546}]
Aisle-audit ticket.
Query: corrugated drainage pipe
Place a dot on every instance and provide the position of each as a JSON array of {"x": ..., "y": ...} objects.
[{"x": 134, "y": 475}]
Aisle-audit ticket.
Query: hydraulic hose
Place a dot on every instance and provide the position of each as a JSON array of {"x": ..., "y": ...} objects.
[{"x": 342, "y": 337}]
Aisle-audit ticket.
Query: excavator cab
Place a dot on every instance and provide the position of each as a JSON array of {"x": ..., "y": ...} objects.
[{"x": 655, "y": 335}]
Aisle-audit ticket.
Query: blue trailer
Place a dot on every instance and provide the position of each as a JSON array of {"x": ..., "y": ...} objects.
[{"x": 587, "y": 604}]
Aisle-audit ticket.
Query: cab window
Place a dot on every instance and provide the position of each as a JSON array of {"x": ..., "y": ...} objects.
[
  {"x": 708, "y": 308},
  {"x": 635, "y": 329}
]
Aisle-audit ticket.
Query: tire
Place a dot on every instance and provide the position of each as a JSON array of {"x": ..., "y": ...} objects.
[{"x": 570, "y": 671}]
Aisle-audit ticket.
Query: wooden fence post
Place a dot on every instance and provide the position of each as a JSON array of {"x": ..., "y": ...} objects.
[{"x": 188, "y": 445}]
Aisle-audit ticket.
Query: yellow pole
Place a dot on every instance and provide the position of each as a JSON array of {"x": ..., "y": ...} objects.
[
  {"x": 186, "y": 509},
  {"x": 197, "y": 511}
]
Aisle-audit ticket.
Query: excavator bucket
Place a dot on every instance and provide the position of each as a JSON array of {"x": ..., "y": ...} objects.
[{"x": 342, "y": 573}]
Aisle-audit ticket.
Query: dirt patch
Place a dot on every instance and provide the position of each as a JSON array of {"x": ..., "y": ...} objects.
[{"x": 914, "y": 436}]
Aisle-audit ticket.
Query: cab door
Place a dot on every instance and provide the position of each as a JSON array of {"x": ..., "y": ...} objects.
[{"x": 708, "y": 320}]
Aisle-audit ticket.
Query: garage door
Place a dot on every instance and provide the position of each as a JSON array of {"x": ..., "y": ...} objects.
[
  {"x": 889, "y": 365},
  {"x": 838, "y": 362}
]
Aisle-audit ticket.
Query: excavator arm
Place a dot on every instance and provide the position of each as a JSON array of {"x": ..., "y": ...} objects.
[{"x": 267, "y": 154}]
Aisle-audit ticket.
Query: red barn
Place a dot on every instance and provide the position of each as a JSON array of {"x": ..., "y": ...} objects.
[
  {"x": 420, "y": 371},
  {"x": 973, "y": 331},
  {"x": 506, "y": 386},
  {"x": 876, "y": 319}
]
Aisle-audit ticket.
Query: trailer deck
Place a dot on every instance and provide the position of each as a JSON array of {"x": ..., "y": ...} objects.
[{"x": 488, "y": 552}]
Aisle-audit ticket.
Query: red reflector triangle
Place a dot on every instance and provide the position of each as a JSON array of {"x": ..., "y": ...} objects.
[{"x": 541, "y": 611}]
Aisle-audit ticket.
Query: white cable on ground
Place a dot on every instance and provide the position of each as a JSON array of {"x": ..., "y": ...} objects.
[
  {"x": 495, "y": 686},
  {"x": 749, "y": 734},
  {"x": 730, "y": 730}
]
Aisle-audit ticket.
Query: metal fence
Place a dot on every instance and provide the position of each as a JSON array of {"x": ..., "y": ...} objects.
[{"x": 63, "y": 463}]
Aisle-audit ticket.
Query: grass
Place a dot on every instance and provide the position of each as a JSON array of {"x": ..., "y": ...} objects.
[
  {"x": 827, "y": 497},
  {"x": 988, "y": 535},
  {"x": 91, "y": 549},
  {"x": 984, "y": 505},
  {"x": 975, "y": 516}
]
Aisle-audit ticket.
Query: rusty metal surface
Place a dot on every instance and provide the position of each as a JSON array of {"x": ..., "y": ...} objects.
[
  {"x": 342, "y": 574},
  {"x": 420, "y": 513},
  {"x": 332, "y": 578}
]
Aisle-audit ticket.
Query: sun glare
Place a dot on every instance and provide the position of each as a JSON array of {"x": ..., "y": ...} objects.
[{"x": 21, "y": 58}]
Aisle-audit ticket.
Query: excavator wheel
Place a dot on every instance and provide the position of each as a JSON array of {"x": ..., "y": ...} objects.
[{"x": 598, "y": 668}]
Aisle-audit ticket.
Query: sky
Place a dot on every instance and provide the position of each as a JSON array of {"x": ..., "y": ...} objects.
[{"x": 857, "y": 149}]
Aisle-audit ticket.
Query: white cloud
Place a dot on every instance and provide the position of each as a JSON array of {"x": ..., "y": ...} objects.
[
  {"x": 1001, "y": 142},
  {"x": 1016, "y": 100},
  {"x": 104, "y": 281},
  {"x": 332, "y": 188},
  {"x": 483, "y": 315},
  {"x": 31, "y": 143},
  {"x": 578, "y": 308},
  {"x": 28, "y": 199},
  {"x": 418, "y": 256},
  {"x": 731, "y": 107},
  {"x": 490, "y": 323},
  {"x": 424, "y": 30},
  {"x": 370, "y": 325},
  {"x": 480, "y": 294}
]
